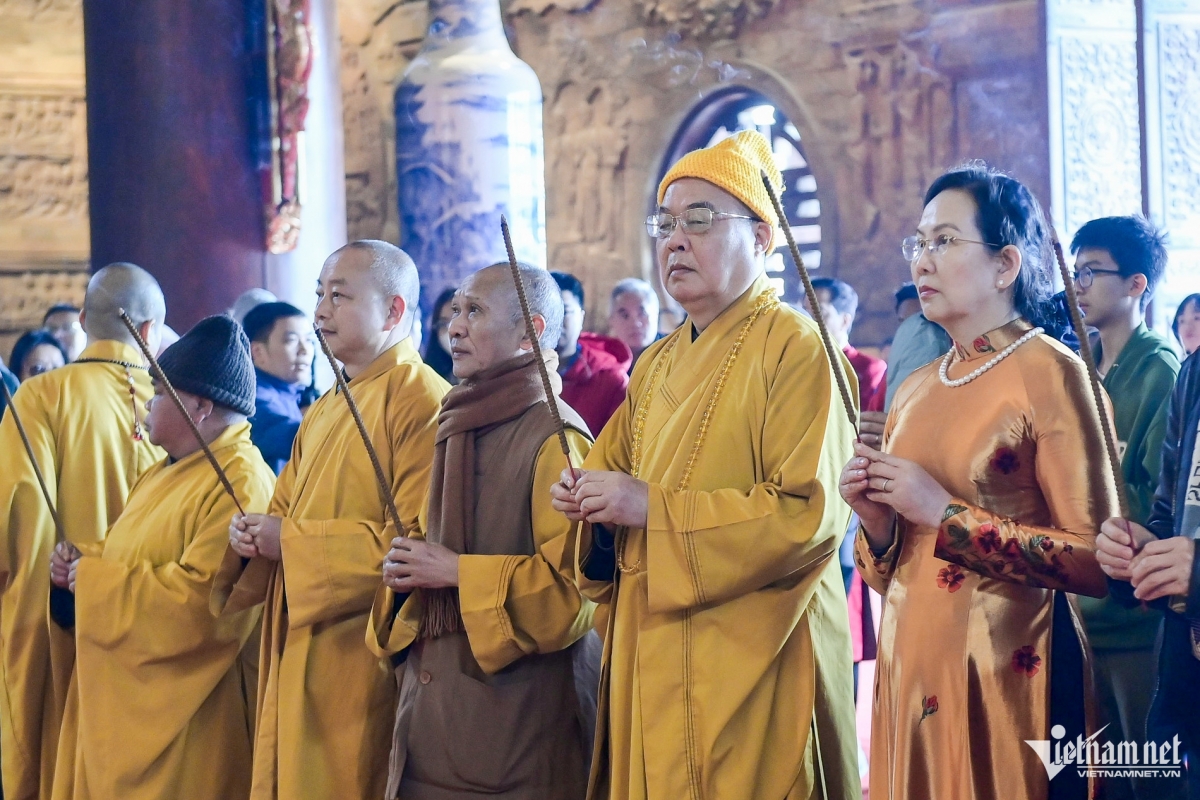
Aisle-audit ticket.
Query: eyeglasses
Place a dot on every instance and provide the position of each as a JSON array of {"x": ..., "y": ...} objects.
[
  {"x": 1083, "y": 278},
  {"x": 693, "y": 220},
  {"x": 912, "y": 247}
]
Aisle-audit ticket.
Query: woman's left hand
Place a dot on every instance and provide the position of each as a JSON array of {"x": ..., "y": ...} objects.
[{"x": 905, "y": 486}]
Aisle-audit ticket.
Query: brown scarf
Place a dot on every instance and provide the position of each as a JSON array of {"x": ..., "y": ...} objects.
[{"x": 494, "y": 396}]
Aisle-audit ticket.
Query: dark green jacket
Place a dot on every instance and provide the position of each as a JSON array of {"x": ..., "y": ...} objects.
[{"x": 1140, "y": 385}]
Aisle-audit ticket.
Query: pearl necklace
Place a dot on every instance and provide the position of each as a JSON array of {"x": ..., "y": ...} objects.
[{"x": 1003, "y": 354}]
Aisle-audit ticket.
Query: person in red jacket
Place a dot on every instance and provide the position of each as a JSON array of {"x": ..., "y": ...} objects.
[
  {"x": 839, "y": 304},
  {"x": 593, "y": 367}
]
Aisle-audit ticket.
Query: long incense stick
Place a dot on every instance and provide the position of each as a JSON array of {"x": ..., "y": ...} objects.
[
  {"x": 531, "y": 332},
  {"x": 59, "y": 535},
  {"x": 1085, "y": 352},
  {"x": 833, "y": 355},
  {"x": 344, "y": 389},
  {"x": 162, "y": 378}
]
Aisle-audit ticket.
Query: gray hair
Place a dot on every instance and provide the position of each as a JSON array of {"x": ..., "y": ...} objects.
[
  {"x": 247, "y": 301},
  {"x": 121, "y": 286},
  {"x": 545, "y": 300},
  {"x": 634, "y": 286}
]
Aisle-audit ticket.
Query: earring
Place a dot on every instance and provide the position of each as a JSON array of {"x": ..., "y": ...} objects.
[{"x": 999, "y": 284}]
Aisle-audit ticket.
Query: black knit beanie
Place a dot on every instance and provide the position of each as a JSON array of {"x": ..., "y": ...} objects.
[{"x": 213, "y": 360}]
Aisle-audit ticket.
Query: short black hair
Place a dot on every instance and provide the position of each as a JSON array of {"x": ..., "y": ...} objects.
[
  {"x": 1191, "y": 299},
  {"x": 569, "y": 283},
  {"x": 260, "y": 320},
  {"x": 26, "y": 344},
  {"x": 906, "y": 292},
  {"x": 1006, "y": 214},
  {"x": 59, "y": 308},
  {"x": 443, "y": 300},
  {"x": 841, "y": 294},
  {"x": 1134, "y": 243}
]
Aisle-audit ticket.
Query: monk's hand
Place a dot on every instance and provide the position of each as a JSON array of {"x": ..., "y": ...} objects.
[
  {"x": 240, "y": 541},
  {"x": 1117, "y": 544},
  {"x": 264, "y": 534},
  {"x": 72, "y": 571},
  {"x": 418, "y": 564},
  {"x": 877, "y": 518},
  {"x": 905, "y": 486},
  {"x": 870, "y": 428},
  {"x": 61, "y": 559},
  {"x": 1163, "y": 568},
  {"x": 613, "y": 497},
  {"x": 562, "y": 495}
]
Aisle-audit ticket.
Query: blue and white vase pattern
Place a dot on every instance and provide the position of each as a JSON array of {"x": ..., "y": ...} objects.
[{"x": 469, "y": 148}]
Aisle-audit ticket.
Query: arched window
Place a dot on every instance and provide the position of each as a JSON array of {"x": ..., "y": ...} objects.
[{"x": 738, "y": 109}]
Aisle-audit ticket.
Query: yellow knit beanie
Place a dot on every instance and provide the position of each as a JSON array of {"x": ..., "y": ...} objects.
[{"x": 736, "y": 165}]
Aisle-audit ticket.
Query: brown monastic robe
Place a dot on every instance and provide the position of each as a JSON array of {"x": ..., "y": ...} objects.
[{"x": 483, "y": 713}]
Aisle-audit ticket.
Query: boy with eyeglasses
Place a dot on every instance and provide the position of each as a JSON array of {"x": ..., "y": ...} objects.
[{"x": 1118, "y": 262}]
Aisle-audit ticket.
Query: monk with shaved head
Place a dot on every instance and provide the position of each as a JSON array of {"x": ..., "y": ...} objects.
[
  {"x": 489, "y": 618},
  {"x": 85, "y": 424},
  {"x": 326, "y": 704}
]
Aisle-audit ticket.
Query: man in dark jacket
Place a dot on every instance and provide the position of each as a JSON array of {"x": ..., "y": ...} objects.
[
  {"x": 282, "y": 347},
  {"x": 594, "y": 368},
  {"x": 1158, "y": 565}
]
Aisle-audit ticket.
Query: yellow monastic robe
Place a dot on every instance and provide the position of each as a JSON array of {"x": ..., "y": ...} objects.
[
  {"x": 158, "y": 700},
  {"x": 80, "y": 421},
  {"x": 729, "y": 641},
  {"x": 969, "y": 608},
  {"x": 326, "y": 704}
]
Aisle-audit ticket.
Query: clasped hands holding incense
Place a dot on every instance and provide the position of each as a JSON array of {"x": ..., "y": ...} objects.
[
  {"x": 1155, "y": 567},
  {"x": 255, "y": 535},
  {"x": 418, "y": 564},
  {"x": 878, "y": 486},
  {"x": 63, "y": 564},
  {"x": 602, "y": 496}
]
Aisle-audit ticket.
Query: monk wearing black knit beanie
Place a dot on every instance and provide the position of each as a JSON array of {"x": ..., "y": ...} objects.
[
  {"x": 212, "y": 360},
  {"x": 151, "y": 660}
]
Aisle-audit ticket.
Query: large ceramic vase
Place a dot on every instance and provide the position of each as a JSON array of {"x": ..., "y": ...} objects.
[{"x": 468, "y": 148}]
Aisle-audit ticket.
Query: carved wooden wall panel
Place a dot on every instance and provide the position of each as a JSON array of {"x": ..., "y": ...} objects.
[
  {"x": 43, "y": 161},
  {"x": 1095, "y": 138},
  {"x": 1172, "y": 41},
  {"x": 874, "y": 89},
  {"x": 43, "y": 176}
]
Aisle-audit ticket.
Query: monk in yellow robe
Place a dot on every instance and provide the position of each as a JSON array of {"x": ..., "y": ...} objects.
[
  {"x": 158, "y": 701},
  {"x": 85, "y": 424},
  {"x": 489, "y": 706},
  {"x": 326, "y": 704},
  {"x": 714, "y": 522}
]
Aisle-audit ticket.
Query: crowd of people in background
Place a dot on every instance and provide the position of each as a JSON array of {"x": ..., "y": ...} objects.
[{"x": 588, "y": 361}]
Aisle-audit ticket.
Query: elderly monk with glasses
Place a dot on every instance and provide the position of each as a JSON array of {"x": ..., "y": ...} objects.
[{"x": 713, "y": 521}]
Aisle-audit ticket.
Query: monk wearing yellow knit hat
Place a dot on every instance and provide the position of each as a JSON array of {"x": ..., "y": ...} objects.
[{"x": 713, "y": 522}]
